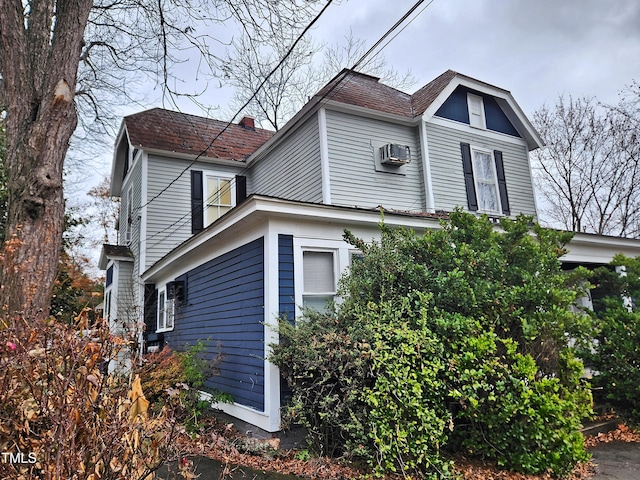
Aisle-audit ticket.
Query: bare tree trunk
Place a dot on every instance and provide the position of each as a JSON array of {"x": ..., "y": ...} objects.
[{"x": 40, "y": 53}]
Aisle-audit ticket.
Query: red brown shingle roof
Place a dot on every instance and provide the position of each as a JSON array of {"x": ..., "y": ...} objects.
[
  {"x": 161, "y": 129},
  {"x": 425, "y": 96},
  {"x": 366, "y": 91}
]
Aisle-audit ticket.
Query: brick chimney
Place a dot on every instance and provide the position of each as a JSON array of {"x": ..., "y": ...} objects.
[{"x": 248, "y": 123}]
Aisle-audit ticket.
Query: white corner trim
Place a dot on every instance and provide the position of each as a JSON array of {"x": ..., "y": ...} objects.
[
  {"x": 426, "y": 167},
  {"x": 271, "y": 312},
  {"x": 324, "y": 156},
  {"x": 142, "y": 244}
]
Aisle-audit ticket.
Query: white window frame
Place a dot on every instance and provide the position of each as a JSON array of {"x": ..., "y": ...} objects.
[
  {"x": 329, "y": 295},
  {"x": 341, "y": 260},
  {"x": 165, "y": 320},
  {"x": 128, "y": 230},
  {"x": 494, "y": 180},
  {"x": 477, "y": 116},
  {"x": 207, "y": 205}
]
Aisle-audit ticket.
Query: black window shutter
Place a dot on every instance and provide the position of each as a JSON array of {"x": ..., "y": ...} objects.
[
  {"x": 472, "y": 200},
  {"x": 241, "y": 189},
  {"x": 502, "y": 182},
  {"x": 150, "y": 307},
  {"x": 197, "y": 204}
]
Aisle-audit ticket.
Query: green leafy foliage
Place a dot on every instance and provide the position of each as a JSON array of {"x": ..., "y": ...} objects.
[
  {"x": 615, "y": 355},
  {"x": 454, "y": 339},
  {"x": 326, "y": 378}
]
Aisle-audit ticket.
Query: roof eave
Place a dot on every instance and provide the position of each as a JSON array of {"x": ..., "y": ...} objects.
[{"x": 117, "y": 163}]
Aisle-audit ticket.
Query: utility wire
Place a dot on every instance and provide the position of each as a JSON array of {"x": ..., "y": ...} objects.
[
  {"x": 255, "y": 93},
  {"x": 339, "y": 84}
]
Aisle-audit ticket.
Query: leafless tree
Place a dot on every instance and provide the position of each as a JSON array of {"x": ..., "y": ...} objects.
[
  {"x": 59, "y": 59},
  {"x": 588, "y": 174},
  {"x": 300, "y": 77}
]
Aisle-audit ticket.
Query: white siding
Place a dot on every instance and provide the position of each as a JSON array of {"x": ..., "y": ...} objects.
[
  {"x": 169, "y": 211},
  {"x": 448, "y": 178},
  {"x": 133, "y": 180},
  {"x": 124, "y": 305},
  {"x": 292, "y": 169},
  {"x": 354, "y": 181}
]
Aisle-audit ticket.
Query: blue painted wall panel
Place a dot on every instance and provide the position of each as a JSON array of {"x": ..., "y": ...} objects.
[
  {"x": 286, "y": 294},
  {"x": 224, "y": 303},
  {"x": 455, "y": 108},
  {"x": 286, "y": 291}
]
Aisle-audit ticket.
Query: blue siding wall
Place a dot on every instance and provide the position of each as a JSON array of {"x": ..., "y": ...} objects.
[
  {"x": 286, "y": 291},
  {"x": 224, "y": 304},
  {"x": 455, "y": 108}
]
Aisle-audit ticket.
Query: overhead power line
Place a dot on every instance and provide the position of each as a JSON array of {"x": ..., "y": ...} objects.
[
  {"x": 183, "y": 220},
  {"x": 253, "y": 95}
]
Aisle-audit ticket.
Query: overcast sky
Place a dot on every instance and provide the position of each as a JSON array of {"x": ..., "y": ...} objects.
[{"x": 537, "y": 49}]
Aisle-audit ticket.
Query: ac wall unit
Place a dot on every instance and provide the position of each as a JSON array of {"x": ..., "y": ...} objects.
[{"x": 395, "y": 154}]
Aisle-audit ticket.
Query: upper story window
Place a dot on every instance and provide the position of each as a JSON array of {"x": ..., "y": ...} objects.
[
  {"x": 109, "y": 279},
  {"x": 219, "y": 197},
  {"x": 476, "y": 111},
  {"x": 486, "y": 181}
]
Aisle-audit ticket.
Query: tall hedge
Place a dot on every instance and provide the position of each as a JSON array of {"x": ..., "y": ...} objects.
[
  {"x": 615, "y": 355},
  {"x": 456, "y": 339}
]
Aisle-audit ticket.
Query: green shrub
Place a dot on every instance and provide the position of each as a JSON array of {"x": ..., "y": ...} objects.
[
  {"x": 507, "y": 413},
  {"x": 457, "y": 338},
  {"x": 406, "y": 417},
  {"x": 326, "y": 367},
  {"x": 615, "y": 354}
]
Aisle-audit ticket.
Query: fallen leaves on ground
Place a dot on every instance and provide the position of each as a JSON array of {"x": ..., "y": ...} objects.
[
  {"x": 478, "y": 470},
  {"x": 223, "y": 443},
  {"x": 621, "y": 434}
]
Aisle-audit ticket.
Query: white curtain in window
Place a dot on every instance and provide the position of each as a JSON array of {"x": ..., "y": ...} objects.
[{"x": 486, "y": 188}]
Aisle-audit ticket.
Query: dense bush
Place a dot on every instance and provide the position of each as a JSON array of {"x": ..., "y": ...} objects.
[
  {"x": 61, "y": 416},
  {"x": 457, "y": 338},
  {"x": 615, "y": 354}
]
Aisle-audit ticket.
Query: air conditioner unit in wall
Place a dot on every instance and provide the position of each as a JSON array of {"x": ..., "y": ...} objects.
[{"x": 395, "y": 154}]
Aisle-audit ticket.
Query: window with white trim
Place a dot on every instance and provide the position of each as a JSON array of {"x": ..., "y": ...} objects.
[
  {"x": 486, "y": 181},
  {"x": 319, "y": 278},
  {"x": 219, "y": 197},
  {"x": 476, "y": 111},
  {"x": 166, "y": 312}
]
